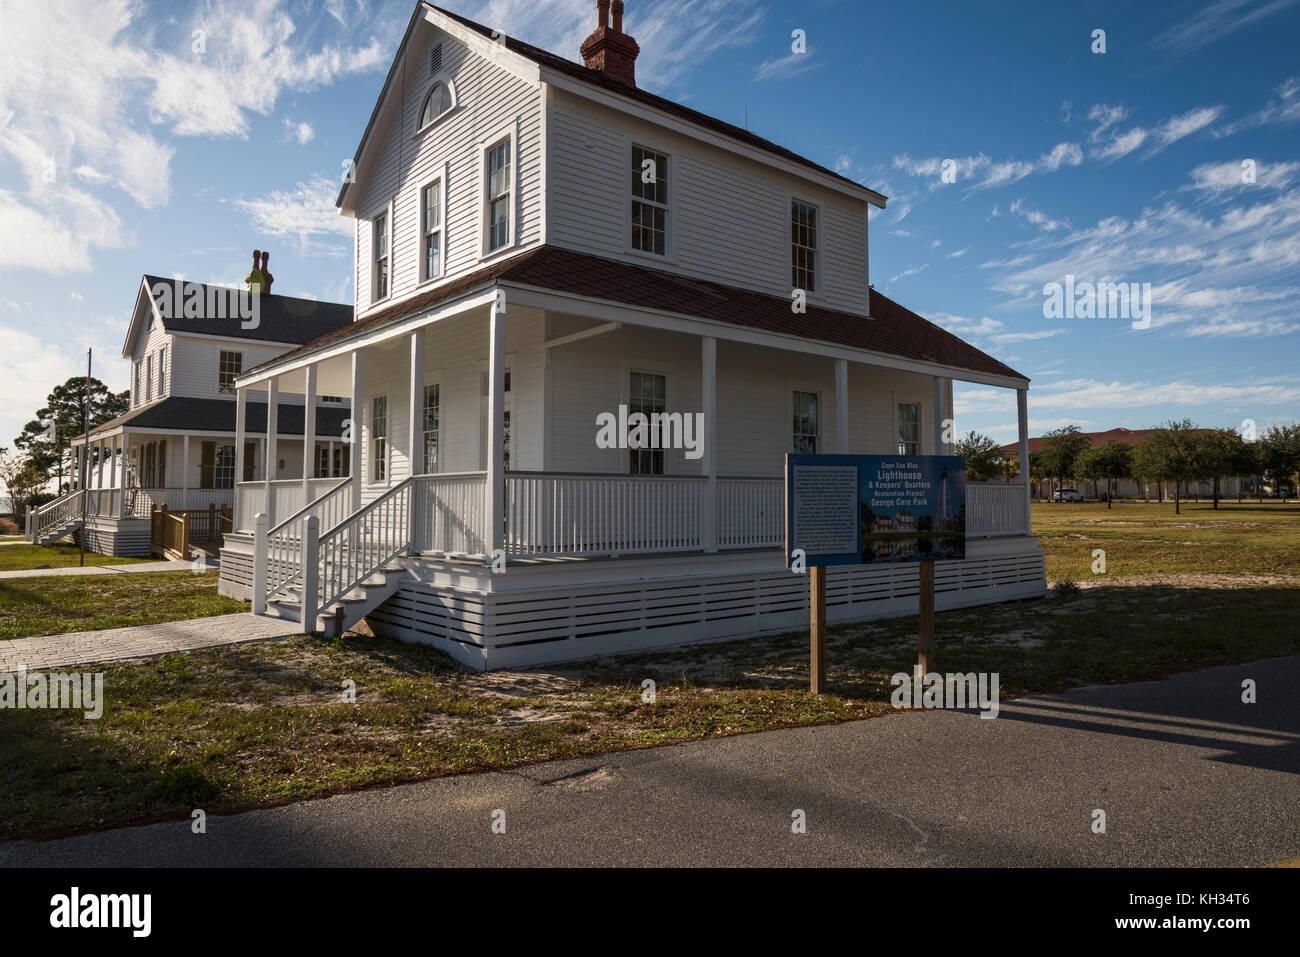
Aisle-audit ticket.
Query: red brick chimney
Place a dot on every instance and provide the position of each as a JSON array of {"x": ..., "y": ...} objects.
[{"x": 609, "y": 49}]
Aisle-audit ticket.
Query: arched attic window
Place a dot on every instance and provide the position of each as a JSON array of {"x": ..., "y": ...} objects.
[{"x": 437, "y": 101}]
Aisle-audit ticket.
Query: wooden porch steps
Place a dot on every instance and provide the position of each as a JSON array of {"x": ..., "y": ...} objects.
[{"x": 345, "y": 613}]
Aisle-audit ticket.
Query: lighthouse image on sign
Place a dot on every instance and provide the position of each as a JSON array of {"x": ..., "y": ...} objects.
[{"x": 945, "y": 510}]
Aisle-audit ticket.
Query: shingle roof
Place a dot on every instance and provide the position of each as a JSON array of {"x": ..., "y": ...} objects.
[
  {"x": 280, "y": 318},
  {"x": 1129, "y": 437},
  {"x": 892, "y": 329},
  {"x": 180, "y": 413}
]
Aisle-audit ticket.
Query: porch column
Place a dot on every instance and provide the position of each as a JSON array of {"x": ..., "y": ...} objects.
[
  {"x": 241, "y": 426},
  {"x": 494, "y": 494},
  {"x": 112, "y": 461},
  {"x": 842, "y": 406},
  {"x": 185, "y": 471},
  {"x": 415, "y": 414},
  {"x": 709, "y": 466},
  {"x": 99, "y": 465},
  {"x": 940, "y": 413},
  {"x": 352, "y": 428},
  {"x": 272, "y": 437},
  {"x": 1022, "y": 416},
  {"x": 309, "y": 434}
]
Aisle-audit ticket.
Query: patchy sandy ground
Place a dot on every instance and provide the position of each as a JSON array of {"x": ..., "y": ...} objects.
[{"x": 1194, "y": 581}]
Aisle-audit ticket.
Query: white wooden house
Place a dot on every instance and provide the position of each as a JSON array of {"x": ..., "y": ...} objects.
[
  {"x": 175, "y": 447},
  {"x": 538, "y": 243}
]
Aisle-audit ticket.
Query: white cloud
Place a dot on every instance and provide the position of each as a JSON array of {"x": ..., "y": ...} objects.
[
  {"x": 786, "y": 67},
  {"x": 305, "y": 214},
  {"x": 1220, "y": 178},
  {"x": 1164, "y": 134},
  {"x": 1216, "y": 21},
  {"x": 1279, "y": 112},
  {"x": 303, "y": 132},
  {"x": 910, "y": 271}
]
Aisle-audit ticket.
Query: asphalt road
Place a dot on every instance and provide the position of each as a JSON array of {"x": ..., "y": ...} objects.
[{"x": 1186, "y": 773}]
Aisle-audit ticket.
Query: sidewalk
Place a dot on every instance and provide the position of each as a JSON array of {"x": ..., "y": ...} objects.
[
  {"x": 139, "y": 568},
  {"x": 139, "y": 641}
]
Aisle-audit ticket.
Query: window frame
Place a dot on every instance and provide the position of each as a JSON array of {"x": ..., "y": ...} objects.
[
  {"x": 898, "y": 426},
  {"x": 670, "y": 207},
  {"x": 221, "y": 353},
  {"x": 452, "y": 102},
  {"x": 509, "y": 135},
  {"x": 628, "y": 372},
  {"x": 431, "y": 380},
  {"x": 440, "y": 181},
  {"x": 819, "y": 278},
  {"x": 376, "y": 454},
  {"x": 820, "y": 395},
  {"x": 385, "y": 211}
]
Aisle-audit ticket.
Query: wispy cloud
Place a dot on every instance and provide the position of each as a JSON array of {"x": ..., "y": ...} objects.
[
  {"x": 1215, "y": 22},
  {"x": 305, "y": 214}
]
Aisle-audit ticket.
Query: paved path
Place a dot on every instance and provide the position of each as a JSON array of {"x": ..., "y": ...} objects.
[
  {"x": 136, "y": 568},
  {"x": 139, "y": 641},
  {"x": 1187, "y": 774}
]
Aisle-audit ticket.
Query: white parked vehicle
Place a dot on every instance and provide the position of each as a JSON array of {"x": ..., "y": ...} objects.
[{"x": 1067, "y": 495}]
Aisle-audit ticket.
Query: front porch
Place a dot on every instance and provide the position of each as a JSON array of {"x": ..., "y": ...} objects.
[{"x": 481, "y": 509}]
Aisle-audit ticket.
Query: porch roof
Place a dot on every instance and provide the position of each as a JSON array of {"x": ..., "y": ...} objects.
[
  {"x": 179, "y": 413},
  {"x": 891, "y": 329}
]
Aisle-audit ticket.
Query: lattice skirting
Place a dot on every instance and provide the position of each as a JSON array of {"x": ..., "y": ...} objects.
[
  {"x": 109, "y": 537},
  {"x": 485, "y": 628}
]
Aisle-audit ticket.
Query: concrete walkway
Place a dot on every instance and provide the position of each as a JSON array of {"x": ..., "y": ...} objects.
[
  {"x": 137, "y": 568},
  {"x": 139, "y": 641},
  {"x": 1186, "y": 773}
]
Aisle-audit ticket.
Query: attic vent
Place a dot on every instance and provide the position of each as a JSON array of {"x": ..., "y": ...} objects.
[{"x": 435, "y": 60}]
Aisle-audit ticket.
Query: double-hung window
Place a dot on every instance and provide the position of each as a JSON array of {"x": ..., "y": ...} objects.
[
  {"x": 431, "y": 423},
  {"x": 499, "y": 195},
  {"x": 647, "y": 394},
  {"x": 909, "y": 428},
  {"x": 148, "y": 378},
  {"x": 431, "y": 231},
  {"x": 806, "y": 426},
  {"x": 379, "y": 439},
  {"x": 380, "y": 246},
  {"x": 803, "y": 246},
  {"x": 649, "y": 201},
  {"x": 229, "y": 365}
]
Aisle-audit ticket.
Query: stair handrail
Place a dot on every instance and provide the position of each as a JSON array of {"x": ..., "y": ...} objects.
[
  {"x": 284, "y": 549},
  {"x": 348, "y": 553},
  {"x": 56, "y": 513}
]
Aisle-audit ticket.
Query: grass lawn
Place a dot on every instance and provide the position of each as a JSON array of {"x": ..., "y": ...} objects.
[
  {"x": 58, "y": 555},
  {"x": 1150, "y": 540},
  {"x": 52, "y": 604}
]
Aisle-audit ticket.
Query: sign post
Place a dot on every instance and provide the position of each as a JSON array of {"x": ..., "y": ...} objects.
[
  {"x": 872, "y": 509},
  {"x": 817, "y": 627},
  {"x": 925, "y": 618}
]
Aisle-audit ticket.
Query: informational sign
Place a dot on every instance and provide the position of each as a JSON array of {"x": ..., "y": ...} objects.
[{"x": 860, "y": 509}]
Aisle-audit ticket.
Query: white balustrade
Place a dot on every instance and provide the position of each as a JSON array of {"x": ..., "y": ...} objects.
[{"x": 995, "y": 510}]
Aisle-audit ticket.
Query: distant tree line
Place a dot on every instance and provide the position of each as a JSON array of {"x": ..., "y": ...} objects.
[
  {"x": 1177, "y": 453},
  {"x": 42, "y": 454}
]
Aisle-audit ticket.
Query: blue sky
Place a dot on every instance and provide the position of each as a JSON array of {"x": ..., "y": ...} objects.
[{"x": 1125, "y": 166}]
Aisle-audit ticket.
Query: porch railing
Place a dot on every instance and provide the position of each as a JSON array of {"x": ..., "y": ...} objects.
[
  {"x": 447, "y": 513},
  {"x": 286, "y": 498},
  {"x": 284, "y": 542},
  {"x": 574, "y": 514},
  {"x": 52, "y": 516},
  {"x": 751, "y": 512},
  {"x": 994, "y": 510}
]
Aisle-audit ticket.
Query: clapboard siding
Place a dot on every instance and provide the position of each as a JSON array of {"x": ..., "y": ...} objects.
[
  {"x": 490, "y": 102},
  {"x": 456, "y": 357},
  {"x": 730, "y": 217},
  {"x": 754, "y": 399}
]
